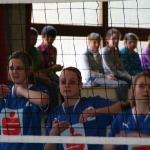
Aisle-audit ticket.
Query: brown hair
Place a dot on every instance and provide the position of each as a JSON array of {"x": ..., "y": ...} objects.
[
  {"x": 132, "y": 88},
  {"x": 27, "y": 61},
  {"x": 77, "y": 71},
  {"x": 130, "y": 36},
  {"x": 109, "y": 33}
]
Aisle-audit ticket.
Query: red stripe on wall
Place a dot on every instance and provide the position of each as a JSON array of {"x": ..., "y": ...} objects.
[
  {"x": 28, "y": 25},
  {"x": 3, "y": 56}
]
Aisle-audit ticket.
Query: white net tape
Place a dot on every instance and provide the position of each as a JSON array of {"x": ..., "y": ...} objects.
[
  {"x": 72, "y": 139},
  {"x": 75, "y": 140},
  {"x": 47, "y": 1}
]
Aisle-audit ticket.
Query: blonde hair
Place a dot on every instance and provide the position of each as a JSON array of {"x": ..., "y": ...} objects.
[
  {"x": 94, "y": 36},
  {"x": 133, "y": 85}
]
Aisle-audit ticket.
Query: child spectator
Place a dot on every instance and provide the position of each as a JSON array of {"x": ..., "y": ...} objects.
[
  {"x": 23, "y": 104},
  {"x": 145, "y": 57},
  {"x": 41, "y": 78},
  {"x": 134, "y": 122},
  {"x": 131, "y": 60},
  {"x": 111, "y": 57},
  {"x": 93, "y": 69},
  {"x": 48, "y": 53},
  {"x": 33, "y": 50},
  {"x": 84, "y": 116}
]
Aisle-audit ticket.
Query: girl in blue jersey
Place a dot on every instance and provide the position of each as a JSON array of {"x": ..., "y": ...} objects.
[
  {"x": 134, "y": 122},
  {"x": 21, "y": 105},
  {"x": 77, "y": 116}
]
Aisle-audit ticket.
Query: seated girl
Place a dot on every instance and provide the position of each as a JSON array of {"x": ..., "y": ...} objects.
[
  {"x": 94, "y": 72},
  {"x": 145, "y": 57},
  {"x": 131, "y": 60},
  {"x": 23, "y": 104},
  {"x": 134, "y": 122},
  {"x": 79, "y": 116},
  {"x": 111, "y": 57}
]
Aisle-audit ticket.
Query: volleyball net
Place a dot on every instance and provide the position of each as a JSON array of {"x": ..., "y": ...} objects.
[{"x": 83, "y": 17}]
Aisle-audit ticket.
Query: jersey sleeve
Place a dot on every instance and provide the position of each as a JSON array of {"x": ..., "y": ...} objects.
[{"x": 102, "y": 102}]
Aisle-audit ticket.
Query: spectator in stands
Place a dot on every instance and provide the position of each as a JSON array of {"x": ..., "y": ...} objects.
[
  {"x": 111, "y": 57},
  {"x": 48, "y": 53},
  {"x": 41, "y": 78},
  {"x": 134, "y": 122},
  {"x": 145, "y": 57},
  {"x": 36, "y": 55},
  {"x": 131, "y": 60},
  {"x": 79, "y": 116},
  {"x": 93, "y": 69},
  {"x": 22, "y": 105}
]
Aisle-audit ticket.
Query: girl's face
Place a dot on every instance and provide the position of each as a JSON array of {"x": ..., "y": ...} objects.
[
  {"x": 142, "y": 90},
  {"x": 17, "y": 71},
  {"x": 69, "y": 84},
  {"x": 94, "y": 44},
  {"x": 131, "y": 44},
  {"x": 113, "y": 41}
]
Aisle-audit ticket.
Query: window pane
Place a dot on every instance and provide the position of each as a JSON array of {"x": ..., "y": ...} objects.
[
  {"x": 129, "y": 13},
  {"x": 77, "y": 13}
]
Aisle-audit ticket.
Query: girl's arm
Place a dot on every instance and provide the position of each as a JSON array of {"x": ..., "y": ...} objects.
[
  {"x": 39, "y": 98},
  {"x": 112, "y": 110},
  {"x": 109, "y": 147},
  {"x": 137, "y": 134}
]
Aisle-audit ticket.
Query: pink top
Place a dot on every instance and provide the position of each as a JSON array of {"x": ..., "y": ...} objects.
[{"x": 48, "y": 55}]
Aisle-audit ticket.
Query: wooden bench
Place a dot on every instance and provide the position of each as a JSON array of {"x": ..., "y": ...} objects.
[{"x": 105, "y": 92}]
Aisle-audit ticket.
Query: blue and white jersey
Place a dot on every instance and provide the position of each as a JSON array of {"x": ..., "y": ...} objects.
[
  {"x": 19, "y": 116},
  {"x": 94, "y": 126},
  {"x": 129, "y": 122}
]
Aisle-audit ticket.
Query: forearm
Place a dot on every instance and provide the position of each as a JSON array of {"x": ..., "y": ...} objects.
[
  {"x": 47, "y": 71},
  {"x": 50, "y": 146},
  {"x": 138, "y": 134},
  {"x": 113, "y": 109},
  {"x": 36, "y": 97},
  {"x": 108, "y": 147}
]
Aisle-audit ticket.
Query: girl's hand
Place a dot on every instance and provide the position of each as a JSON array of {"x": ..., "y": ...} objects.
[
  {"x": 131, "y": 134},
  {"x": 56, "y": 68},
  {"x": 121, "y": 134},
  {"x": 4, "y": 90},
  {"x": 111, "y": 77},
  {"x": 58, "y": 127},
  {"x": 85, "y": 114}
]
